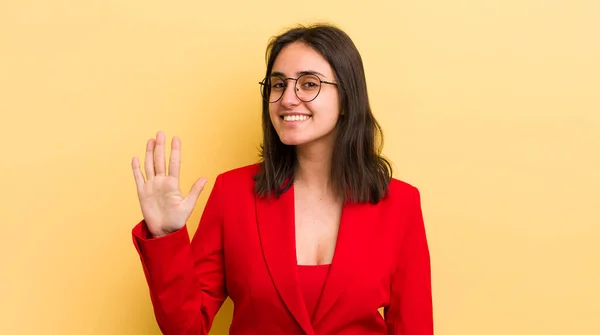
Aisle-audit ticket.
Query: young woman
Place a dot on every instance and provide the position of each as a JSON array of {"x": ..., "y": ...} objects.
[{"x": 314, "y": 238}]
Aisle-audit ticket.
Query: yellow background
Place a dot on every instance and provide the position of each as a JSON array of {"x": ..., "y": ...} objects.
[{"x": 491, "y": 108}]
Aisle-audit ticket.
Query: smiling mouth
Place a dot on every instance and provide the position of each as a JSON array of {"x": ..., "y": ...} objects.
[{"x": 293, "y": 118}]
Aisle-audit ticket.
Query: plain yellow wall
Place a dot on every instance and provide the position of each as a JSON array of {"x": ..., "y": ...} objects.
[{"x": 491, "y": 108}]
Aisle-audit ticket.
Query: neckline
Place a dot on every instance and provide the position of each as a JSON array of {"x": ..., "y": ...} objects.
[{"x": 314, "y": 265}]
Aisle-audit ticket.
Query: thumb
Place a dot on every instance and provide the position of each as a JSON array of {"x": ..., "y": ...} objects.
[{"x": 195, "y": 191}]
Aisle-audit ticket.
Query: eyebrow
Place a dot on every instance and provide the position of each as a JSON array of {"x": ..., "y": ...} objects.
[{"x": 281, "y": 74}]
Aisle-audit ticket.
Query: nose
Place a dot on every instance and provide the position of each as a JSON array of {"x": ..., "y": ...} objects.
[{"x": 289, "y": 98}]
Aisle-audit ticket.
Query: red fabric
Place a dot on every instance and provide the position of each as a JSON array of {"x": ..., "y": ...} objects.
[
  {"x": 312, "y": 279},
  {"x": 244, "y": 249}
]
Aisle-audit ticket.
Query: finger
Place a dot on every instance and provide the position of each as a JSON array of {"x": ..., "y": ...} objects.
[
  {"x": 137, "y": 173},
  {"x": 175, "y": 160},
  {"x": 149, "y": 159},
  {"x": 195, "y": 191},
  {"x": 159, "y": 154}
]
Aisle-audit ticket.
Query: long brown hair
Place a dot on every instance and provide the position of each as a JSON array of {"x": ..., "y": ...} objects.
[{"x": 358, "y": 171}]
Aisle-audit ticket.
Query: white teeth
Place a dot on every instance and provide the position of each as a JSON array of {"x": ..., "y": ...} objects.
[{"x": 296, "y": 117}]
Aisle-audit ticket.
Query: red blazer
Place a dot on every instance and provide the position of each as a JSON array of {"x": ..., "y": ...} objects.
[{"x": 244, "y": 248}]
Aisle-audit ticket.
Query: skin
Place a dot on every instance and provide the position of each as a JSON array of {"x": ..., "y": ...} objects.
[{"x": 317, "y": 211}]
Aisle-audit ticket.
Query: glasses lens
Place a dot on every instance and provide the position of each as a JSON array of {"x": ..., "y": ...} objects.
[
  {"x": 309, "y": 87},
  {"x": 275, "y": 87}
]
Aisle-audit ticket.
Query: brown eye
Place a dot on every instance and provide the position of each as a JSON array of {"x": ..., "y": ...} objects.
[
  {"x": 309, "y": 82},
  {"x": 276, "y": 83}
]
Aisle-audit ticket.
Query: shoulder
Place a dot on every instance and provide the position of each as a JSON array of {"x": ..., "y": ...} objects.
[
  {"x": 401, "y": 188},
  {"x": 402, "y": 194},
  {"x": 242, "y": 176}
]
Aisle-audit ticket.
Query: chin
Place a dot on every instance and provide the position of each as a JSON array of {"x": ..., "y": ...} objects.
[
  {"x": 291, "y": 141},
  {"x": 300, "y": 138}
]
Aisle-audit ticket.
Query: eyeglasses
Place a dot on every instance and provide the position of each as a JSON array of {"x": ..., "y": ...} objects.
[{"x": 307, "y": 88}]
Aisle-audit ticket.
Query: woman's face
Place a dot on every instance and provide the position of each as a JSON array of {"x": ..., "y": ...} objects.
[{"x": 299, "y": 122}]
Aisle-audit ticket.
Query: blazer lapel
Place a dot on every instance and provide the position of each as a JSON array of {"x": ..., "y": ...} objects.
[
  {"x": 275, "y": 219},
  {"x": 354, "y": 236}
]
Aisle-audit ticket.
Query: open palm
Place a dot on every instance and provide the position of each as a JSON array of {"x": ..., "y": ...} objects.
[{"x": 164, "y": 208}]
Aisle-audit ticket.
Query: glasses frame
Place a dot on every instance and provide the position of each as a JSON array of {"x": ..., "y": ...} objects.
[{"x": 264, "y": 86}]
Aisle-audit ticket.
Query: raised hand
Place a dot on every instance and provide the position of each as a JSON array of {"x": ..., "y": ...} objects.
[{"x": 164, "y": 208}]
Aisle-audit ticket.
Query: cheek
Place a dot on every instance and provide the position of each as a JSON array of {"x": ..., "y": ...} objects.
[
  {"x": 329, "y": 106},
  {"x": 327, "y": 113},
  {"x": 272, "y": 113}
]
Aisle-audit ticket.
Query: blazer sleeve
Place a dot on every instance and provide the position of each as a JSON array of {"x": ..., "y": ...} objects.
[
  {"x": 410, "y": 311},
  {"x": 186, "y": 279}
]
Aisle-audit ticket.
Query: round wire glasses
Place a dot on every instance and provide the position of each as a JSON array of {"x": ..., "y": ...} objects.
[{"x": 307, "y": 87}]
